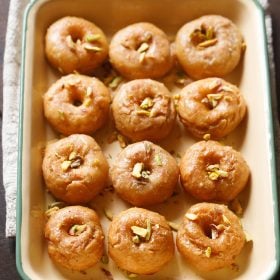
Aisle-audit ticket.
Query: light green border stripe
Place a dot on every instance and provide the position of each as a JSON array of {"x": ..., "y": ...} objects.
[
  {"x": 272, "y": 274},
  {"x": 20, "y": 144}
]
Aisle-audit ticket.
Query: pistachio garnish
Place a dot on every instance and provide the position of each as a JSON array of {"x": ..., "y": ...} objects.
[
  {"x": 87, "y": 102},
  {"x": 208, "y": 252},
  {"x": 207, "y": 136},
  {"x": 143, "y": 112},
  {"x": 149, "y": 230},
  {"x": 143, "y": 47},
  {"x": 226, "y": 220},
  {"x": 136, "y": 239},
  {"x": 214, "y": 172},
  {"x": 226, "y": 88},
  {"x": 139, "y": 172},
  {"x": 208, "y": 43},
  {"x": 141, "y": 232},
  {"x": 72, "y": 156},
  {"x": 142, "y": 50},
  {"x": 248, "y": 237},
  {"x": 105, "y": 259},
  {"x": 92, "y": 48},
  {"x": 132, "y": 275},
  {"x": 191, "y": 216},
  {"x": 173, "y": 226},
  {"x": 65, "y": 165},
  {"x": 236, "y": 207},
  {"x": 212, "y": 99},
  {"x": 70, "y": 42},
  {"x": 76, "y": 162},
  {"x": 51, "y": 211},
  {"x": 158, "y": 160},
  {"x": 108, "y": 214},
  {"x": 92, "y": 37},
  {"x": 89, "y": 91},
  {"x": 61, "y": 115},
  {"x": 115, "y": 82},
  {"x": 214, "y": 233},
  {"x": 203, "y": 37},
  {"x": 147, "y": 103},
  {"x": 121, "y": 140},
  {"x": 76, "y": 230}
]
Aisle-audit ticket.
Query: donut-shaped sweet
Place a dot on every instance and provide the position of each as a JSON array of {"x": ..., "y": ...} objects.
[
  {"x": 140, "y": 241},
  {"x": 210, "y": 236},
  {"x": 213, "y": 172},
  {"x": 141, "y": 50},
  {"x": 209, "y": 46},
  {"x": 75, "y": 237},
  {"x": 144, "y": 174},
  {"x": 75, "y": 169},
  {"x": 211, "y": 106},
  {"x": 143, "y": 110},
  {"x": 77, "y": 104},
  {"x": 75, "y": 44}
]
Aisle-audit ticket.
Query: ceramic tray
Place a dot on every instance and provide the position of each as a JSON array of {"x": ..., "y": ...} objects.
[{"x": 253, "y": 138}]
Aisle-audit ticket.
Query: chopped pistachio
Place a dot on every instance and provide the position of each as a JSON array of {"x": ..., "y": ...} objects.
[
  {"x": 115, "y": 82},
  {"x": 145, "y": 174},
  {"x": 173, "y": 226},
  {"x": 76, "y": 230},
  {"x": 92, "y": 37},
  {"x": 108, "y": 214},
  {"x": 61, "y": 115},
  {"x": 213, "y": 176},
  {"x": 137, "y": 170},
  {"x": 136, "y": 239},
  {"x": 65, "y": 165},
  {"x": 105, "y": 259},
  {"x": 70, "y": 42},
  {"x": 248, "y": 237},
  {"x": 90, "y": 47},
  {"x": 208, "y": 252},
  {"x": 58, "y": 204},
  {"x": 158, "y": 160},
  {"x": 210, "y": 32},
  {"x": 87, "y": 102},
  {"x": 147, "y": 103},
  {"x": 149, "y": 230},
  {"x": 213, "y": 98},
  {"x": 72, "y": 155},
  {"x": 121, "y": 140},
  {"x": 207, "y": 136},
  {"x": 51, "y": 211},
  {"x": 214, "y": 172},
  {"x": 143, "y": 112},
  {"x": 208, "y": 43},
  {"x": 132, "y": 275},
  {"x": 143, "y": 47},
  {"x": 142, "y": 57},
  {"x": 225, "y": 219},
  {"x": 202, "y": 35},
  {"x": 142, "y": 232},
  {"x": 226, "y": 88},
  {"x": 76, "y": 163},
  {"x": 191, "y": 216},
  {"x": 214, "y": 233},
  {"x": 89, "y": 91},
  {"x": 236, "y": 207}
]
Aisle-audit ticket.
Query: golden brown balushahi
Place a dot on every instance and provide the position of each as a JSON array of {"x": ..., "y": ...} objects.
[
  {"x": 75, "y": 237},
  {"x": 143, "y": 110},
  {"x": 210, "y": 236},
  {"x": 210, "y": 46},
  {"x": 75, "y": 44},
  {"x": 213, "y": 172},
  {"x": 144, "y": 174},
  {"x": 211, "y": 107},
  {"x": 77, "y": 104},
  {"x": 140, "y": 241},
  {"x": 141, "y": 50},
  {"x": 75, "y": 169}
]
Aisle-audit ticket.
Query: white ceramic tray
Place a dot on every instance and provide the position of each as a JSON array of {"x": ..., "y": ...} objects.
[{"x": 254, "y": 138}]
